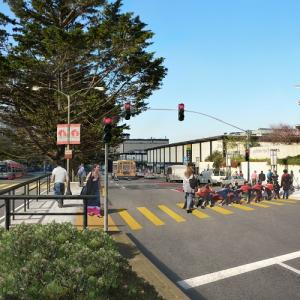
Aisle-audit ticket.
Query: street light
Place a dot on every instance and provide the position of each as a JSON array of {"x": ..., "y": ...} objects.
[{"x": 98, "y": 88}]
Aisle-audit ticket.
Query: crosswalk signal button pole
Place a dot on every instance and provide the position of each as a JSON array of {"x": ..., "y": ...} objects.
[
  {"x": 127, "y": 108},
  {"x": 247, "y": 155},
  {"x": 107, "y": 130},
  {"x": 181, "y": 112}
]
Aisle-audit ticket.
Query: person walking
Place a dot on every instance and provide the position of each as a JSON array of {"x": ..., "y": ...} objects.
[
  {"x": 81, "y": 174},
  {"x": 269, "y": 176},
  {"x": 93, "y": 188},
  {"x": 59, "y": 177},
  {"x": 254, "y": 178},
  {"x": 188, "y": 189},
  {"x": 261, "y": 177},
  {"x": 286, "y": 180}
]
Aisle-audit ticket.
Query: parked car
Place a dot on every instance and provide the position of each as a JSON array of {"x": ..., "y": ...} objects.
[{"x": 233, "y": 179}]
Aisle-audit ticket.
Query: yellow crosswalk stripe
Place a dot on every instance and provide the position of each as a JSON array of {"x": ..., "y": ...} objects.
[
  {"x": 242, "y": 207},
  {"x": 260, "y": 205},
  {"x": 6, "y": 185},
  {"x": 171, "y": 213},
  {"x": 195, "y": 212},
  {"x": 221, "y": 210},
  {"x": 131, "y": 222},
  {"x": 272, "y": 202},
  {"x": 97, "y": 223},
  {"x": 288, "y": 201},
  {"x": 150, "y": 216}
]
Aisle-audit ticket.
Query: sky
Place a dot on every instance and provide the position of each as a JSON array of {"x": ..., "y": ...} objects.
[{"x": 237, "y": 60}]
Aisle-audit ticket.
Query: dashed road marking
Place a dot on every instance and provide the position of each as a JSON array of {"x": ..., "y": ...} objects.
[
  {"x": 131, "y": 222},
  {"x": 171, "y": 213},
  {"x": 150, "y": 216}
]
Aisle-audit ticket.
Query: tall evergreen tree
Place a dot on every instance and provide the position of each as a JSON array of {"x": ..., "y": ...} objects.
[{"x": 71, "y": 47}]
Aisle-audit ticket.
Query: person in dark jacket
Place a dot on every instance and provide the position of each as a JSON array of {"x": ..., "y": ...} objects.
[
  {"x": 286, "y": 180},
  {"x": 261, "y": 177}
]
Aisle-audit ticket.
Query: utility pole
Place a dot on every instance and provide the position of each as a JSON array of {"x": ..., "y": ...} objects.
[
  {"x": 106, "y": 189},
  {"x": 248, "y": 149}
]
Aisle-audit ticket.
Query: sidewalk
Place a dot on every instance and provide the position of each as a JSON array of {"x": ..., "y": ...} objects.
[{"x": 139, "y": 263}]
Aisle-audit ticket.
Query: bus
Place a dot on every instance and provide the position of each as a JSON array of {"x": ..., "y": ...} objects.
[
  {"x": 10, "y": 169},
  {"x": 124, "y": 169}
]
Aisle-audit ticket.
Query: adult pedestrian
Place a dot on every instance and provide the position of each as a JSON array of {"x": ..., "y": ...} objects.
[
  {"x": 81, "y": 174},
  {"x": 241, "y": 174},
  {"x": 261, "y": 177},
  {"x": 59, "y": 177},
  {"x": 93, "y": 188},
  {"x": 275, "y": 176},
  {"x": 286, "y": 183},
  {"x": 254, "y": 178},
  {"x": 188, "y": 189},
  {"x": 269, "y": 175}
]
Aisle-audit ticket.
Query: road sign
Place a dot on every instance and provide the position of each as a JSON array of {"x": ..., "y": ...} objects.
[
  {"x": 68, "y": 154},
  {"x": 62, "y": 134},
  {"x": 74, "y": 133}
]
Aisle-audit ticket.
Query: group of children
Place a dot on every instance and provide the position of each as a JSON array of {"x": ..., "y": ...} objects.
[{"x": 234, "y": 194}]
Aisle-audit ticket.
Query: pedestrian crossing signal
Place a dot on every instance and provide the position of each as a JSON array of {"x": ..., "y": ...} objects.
[
  {"x": 181, "y": 112},
  {"x": 247, "y": 155}
]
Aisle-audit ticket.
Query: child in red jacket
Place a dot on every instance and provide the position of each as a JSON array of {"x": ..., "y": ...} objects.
[
  {"x": 269, "y": 188},
  {"x": 258, "y": 191}
]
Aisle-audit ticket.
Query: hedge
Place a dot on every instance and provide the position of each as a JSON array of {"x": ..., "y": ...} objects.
[{"x": 57, "y": 261}]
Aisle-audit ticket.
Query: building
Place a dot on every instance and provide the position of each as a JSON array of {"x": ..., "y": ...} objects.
[{"x": 135, "y": 149}]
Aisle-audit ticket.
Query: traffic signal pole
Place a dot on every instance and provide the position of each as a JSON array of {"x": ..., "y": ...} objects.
[
  {"x": 106, "y": 188},
  {"x": 248, "y": 149}
]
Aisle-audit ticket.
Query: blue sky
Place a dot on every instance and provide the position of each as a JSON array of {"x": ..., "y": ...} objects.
[{"x": 238, "y": 60}]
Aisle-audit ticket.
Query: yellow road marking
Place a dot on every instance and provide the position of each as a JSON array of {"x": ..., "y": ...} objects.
[
  {"x": 287, "y": 201},
  {"x": 272, "y": 202},
  {"x": 132, "y": 223},
  {"x": 259, "y": 205},
  {"x": 195, "y": 212},
  {"x": 6, "y": 185},
  {"x": 221, "y": 210},
  {"x": 242, "y": 207},
  {"x": 150, "y": 216},
  {"x": 171, "y": 213},
  {"x": 97, "y": 223}
]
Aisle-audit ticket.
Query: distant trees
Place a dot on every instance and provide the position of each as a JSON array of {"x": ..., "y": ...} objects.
[
  {"x": 282, "y": 133},
  {"x": 70, "y": 46},
  {"x": 217, "y": 158}
]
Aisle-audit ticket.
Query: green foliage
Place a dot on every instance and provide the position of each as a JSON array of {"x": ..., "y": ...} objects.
[
  {"x": 217, "y": 158},
  {"x": 289, "y": 160},
  {"x": 57, "y": 261},
  {"x": 68, "y": 48}
]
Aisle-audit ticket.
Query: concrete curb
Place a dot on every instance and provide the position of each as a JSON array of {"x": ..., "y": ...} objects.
[{"x": 145, "y": 269}]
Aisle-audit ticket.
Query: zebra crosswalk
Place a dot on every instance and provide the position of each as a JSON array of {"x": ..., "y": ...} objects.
[{"x": 159, "y": 215}]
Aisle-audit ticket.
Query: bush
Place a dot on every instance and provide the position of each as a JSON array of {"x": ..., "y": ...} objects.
[{"x": 57, "y": 261}]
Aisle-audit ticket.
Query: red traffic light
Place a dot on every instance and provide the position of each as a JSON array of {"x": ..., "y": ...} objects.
[
  {"x": 107, "y": 120},
  {"x": 181, "y": 106}
]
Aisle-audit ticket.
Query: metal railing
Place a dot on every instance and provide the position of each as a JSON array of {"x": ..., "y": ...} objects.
[
  {"x": 9, "y": 196},
  {"x": 9, "y": 212}
]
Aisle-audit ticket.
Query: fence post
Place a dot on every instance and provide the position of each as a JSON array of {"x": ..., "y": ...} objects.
[
  {"x": 13, "y": 205},
  {"x": 85, "y": 218},
  {"x": 28, "y": 191},
  {"x": 7, "y": 213},
  {"x": 25, "y": 199},
  {"x": 39, "y": 188}
]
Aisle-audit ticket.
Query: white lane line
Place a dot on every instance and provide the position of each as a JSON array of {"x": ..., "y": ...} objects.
[
  {"x": 19, "y": 207},
  {"x": 289, "y": 267},
  {"x": 212, "y": 277}
]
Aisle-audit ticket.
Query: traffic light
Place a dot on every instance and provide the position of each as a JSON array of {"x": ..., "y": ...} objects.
[
  {"x": 127, "y": 108},
  {"x": 247, "y": 154},
  {"x": 107, "y": 130},
  {"x": 181, "y": 112}
]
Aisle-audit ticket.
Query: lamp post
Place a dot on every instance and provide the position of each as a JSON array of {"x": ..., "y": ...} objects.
[{"x": 68, "y": 96}]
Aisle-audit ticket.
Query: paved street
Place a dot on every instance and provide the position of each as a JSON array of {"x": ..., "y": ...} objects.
[{"x": 185, "y": 246}]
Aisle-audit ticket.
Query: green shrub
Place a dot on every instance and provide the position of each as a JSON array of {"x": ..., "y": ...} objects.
[{"x": 57, "y": 261}]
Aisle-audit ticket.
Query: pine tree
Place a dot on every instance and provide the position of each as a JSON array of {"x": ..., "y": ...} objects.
[{"x": 71, "y": 47}]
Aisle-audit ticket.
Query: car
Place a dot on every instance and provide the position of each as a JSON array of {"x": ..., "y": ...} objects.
[
  {"x": 149, "y": 176},
  {"x": 211, "y": 176},
  {"x": 233, "y": 179}
]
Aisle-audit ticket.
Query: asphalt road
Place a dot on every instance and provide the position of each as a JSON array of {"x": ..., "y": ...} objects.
[{"x": 257, "y": 250}]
